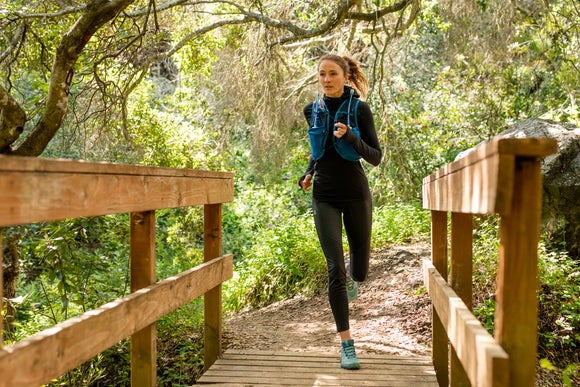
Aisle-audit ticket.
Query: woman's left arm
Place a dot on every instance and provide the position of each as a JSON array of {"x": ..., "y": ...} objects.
[{"x": 367, "y": 145}]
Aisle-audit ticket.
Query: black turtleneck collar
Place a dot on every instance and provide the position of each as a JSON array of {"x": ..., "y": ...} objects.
[{"x": 345, "y": 95}]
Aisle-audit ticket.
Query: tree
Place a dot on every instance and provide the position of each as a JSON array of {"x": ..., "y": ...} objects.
[
  {"x": 64, "y": 46},
  {"x": 66, "y": 65}
]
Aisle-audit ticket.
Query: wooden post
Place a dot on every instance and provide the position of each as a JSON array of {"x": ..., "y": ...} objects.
[
  {"x": 1, "y": 289},
  {"x": 461, "y": 278},
  {"x": 517, "y": 306},
  {"x": 212, "y": 239},
  {"x": 439, "y": 259},
  {"x": 143, "y": 343}
]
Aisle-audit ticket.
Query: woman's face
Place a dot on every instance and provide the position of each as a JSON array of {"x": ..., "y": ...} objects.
[{"x": 331, "y": 78}]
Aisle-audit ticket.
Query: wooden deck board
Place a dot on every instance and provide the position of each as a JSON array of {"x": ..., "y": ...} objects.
[{"x": 273, "y": 368}]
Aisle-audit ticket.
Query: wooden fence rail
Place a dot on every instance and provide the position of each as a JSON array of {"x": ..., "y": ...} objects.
[
  {"x": 500, "y": 177},
  {"x": 36, "y": 190}
]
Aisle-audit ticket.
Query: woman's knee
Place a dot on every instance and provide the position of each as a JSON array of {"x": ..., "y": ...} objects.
[{"x": 359, "y": 269}]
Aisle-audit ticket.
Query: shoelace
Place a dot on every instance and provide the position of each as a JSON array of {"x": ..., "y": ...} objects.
[
  {"x": 349, "y": 352},
  {"x": 349, "y": 282}
]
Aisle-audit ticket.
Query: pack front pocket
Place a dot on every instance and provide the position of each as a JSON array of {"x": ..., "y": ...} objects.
[{"x": 317, "y": 137}]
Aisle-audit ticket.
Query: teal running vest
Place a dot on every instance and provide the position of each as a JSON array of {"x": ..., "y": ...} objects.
[{"x": 320, "y": 125}]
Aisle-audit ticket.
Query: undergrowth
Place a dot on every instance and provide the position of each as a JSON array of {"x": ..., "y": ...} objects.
[
  {"x": 277, "y": 257},
  {"x": 558, "y": 299}
]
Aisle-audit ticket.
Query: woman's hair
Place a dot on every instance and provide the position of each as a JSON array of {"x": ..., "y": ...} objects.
[{"x": 352, "y": 70}]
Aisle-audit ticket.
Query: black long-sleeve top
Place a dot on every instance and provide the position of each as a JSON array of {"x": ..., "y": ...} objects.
[{"x": 337, "y": 179}]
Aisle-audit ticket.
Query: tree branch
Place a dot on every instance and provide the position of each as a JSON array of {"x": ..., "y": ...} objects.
[
  {"x": 137, "y": 58},
  {"x": 96, "y": 14},
  {"x": 373, "y": 16}
]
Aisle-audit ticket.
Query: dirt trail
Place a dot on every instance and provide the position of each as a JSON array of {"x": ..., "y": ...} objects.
[{"x": 390, "y": 315}]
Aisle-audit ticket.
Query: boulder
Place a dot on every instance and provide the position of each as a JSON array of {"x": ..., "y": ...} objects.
[{"x": 561, "y": 173}]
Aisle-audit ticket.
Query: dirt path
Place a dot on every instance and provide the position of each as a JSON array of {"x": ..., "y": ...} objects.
[{"x": 391, "y": 314}]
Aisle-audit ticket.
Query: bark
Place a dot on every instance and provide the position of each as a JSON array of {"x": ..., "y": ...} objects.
[
  {"x": 11, "y": 272},
  {"x": 12, "y": 119}
]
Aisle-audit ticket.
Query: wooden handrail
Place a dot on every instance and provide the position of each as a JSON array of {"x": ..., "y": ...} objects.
[
  {"x": 34, "y": 190},
  {"x": 502, "y": 177}
]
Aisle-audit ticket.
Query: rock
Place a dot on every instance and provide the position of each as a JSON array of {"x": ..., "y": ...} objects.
[{"x": 561, "y": 172}]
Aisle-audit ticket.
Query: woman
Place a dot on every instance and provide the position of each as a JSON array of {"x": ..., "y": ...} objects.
[{"x": 341, "y": 190}]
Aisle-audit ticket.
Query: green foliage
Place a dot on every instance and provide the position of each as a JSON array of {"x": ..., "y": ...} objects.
[
  {"x": 442, "y": 93},
  {"x": 547, "y": 49},
  {"x": 180, "y": 343},
  {"x": 559, "y": 299},
  {"x": 283, "y": 260},
  {"x": 399, "y": 223},
  {"x": 170, "y": 137},
  {"x": 559, "y": 295},
  {"x": 80, "y": 264},
  {"x": 109, "y": 368},
  {"x": 70, "y": 267},
  {"x": 485, "y": 262},
  {"x": 179, "y": 240},
  {"x": 424, "y": 118},
  {"x": 568, "y": 373}
]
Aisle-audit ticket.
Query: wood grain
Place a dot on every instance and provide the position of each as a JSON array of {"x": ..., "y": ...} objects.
[
  {"x": 485, "y": 362},
  {"x": 47, "y": 190},
  {"x": 481, "y": 182},
  {"x": 270, "y": 368}
]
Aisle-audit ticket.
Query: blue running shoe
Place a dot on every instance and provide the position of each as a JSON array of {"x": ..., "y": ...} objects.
[
  {"x": 348, "y": 359},
  {"x": 351, "y": 285}
]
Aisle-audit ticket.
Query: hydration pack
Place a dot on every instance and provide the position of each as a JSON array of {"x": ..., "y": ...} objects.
[{"x": 320, "y": 125}]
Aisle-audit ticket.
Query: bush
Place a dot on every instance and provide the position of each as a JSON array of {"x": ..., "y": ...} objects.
[
  {"x": 399, "y": 223},
  {"x": 285, "y": 260}
]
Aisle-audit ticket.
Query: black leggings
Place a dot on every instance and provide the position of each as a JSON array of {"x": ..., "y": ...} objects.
[{"x": 328, "y": 218}]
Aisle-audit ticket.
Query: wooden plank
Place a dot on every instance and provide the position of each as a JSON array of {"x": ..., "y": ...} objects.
[
  {"x": 461, "y": 274},
  {"x": 142, "y": 253},
  {"x": 308, "y": 369},
  {"x": 505, "y": 188},
  {"x": 278, "y": 366},
  {"x": 233, "y": 353},
  {"x": 471, "y": 190},
  {"x": 480, "y": 183},
  {"x": 212, "y": 246},
  {"x": 516, "y": 300},
  {"x": 520, "y": 147},
  {"x": 460, "y": 278},
  {"x": 39, "y": 164},
  {"x": 1, "y": 288},
  {"x": 54, "y": 351},
  {"x": 527, "y": 147},
  {"x": 484, "y": 360},
  {"x": 440, "y": 346},
  {"x": 47, "y": 190}
]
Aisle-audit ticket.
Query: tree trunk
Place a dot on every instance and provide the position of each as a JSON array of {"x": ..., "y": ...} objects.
[{"x": 11, "y": 272}]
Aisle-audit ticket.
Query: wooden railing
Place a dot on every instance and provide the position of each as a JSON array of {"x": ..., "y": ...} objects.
[
  {"x": 501, "y": 177},
  {"x": 37, "y": 190}
]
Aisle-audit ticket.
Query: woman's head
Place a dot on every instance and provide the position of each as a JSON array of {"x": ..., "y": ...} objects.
[{"x": 334, "y": 71}]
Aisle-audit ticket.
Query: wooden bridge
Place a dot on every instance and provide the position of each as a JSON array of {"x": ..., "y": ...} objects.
[{"x": 499, "y": 177}]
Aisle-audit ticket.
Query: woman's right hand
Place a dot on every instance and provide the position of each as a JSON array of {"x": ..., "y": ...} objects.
[{"x": 306, "y": 183}]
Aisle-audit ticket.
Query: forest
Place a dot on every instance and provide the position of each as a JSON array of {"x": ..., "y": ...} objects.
[{"x": 221, "y": 85}]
